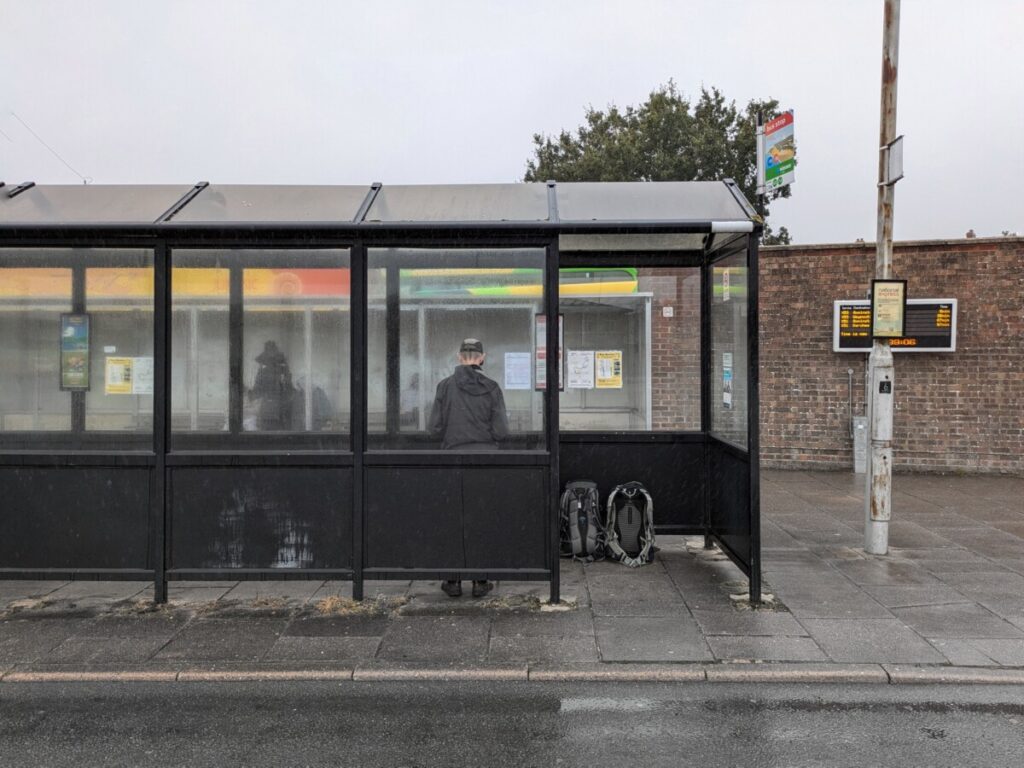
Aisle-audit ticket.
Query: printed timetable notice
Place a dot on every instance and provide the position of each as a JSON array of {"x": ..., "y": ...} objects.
[{"x": 930, "y": 326}]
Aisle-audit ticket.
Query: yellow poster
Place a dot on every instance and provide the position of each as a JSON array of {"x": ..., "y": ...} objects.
[
  {"x": 608, "y": 365},
  {"x": 118, "y": 376}
]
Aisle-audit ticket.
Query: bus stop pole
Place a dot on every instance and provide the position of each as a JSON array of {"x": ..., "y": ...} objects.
[{"x": 881, "y": 373}]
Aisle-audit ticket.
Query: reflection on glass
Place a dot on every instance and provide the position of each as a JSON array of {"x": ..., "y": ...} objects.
[
  {"x": 729, "y": 381},
  {"x": 423, "y": 391},
  {"x": 120, "y": 306},
  {"x": 284, "y": 320},
  {"x": 31, "y": 302},
  {"x": 296, "y": 350},
  {"x": 199, "y": 349}
]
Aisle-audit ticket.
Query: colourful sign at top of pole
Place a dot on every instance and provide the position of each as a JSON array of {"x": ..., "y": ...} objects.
[{"x": 779, "y": 151}]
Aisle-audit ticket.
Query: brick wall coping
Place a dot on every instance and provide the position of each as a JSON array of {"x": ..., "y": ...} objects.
[{"x": 958, "y": 242}]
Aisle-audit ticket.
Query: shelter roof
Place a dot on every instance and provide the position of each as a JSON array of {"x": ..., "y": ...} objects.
[{"x": 580, "y": 203}]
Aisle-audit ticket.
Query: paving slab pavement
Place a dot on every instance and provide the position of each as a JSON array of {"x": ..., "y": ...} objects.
[{"x": 948, "y": 598}]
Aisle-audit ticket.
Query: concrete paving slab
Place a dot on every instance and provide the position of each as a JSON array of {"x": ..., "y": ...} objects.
[
  {"x": 748, "y": 623},
  {"x": 565, "y": 624},
  {"x": 956, "y": 621},
  {"x": 903, "y": 597},
  {"x": 1006, "y": 653},
  {"x": 708, "y": 599},
  {"x": 155, "y": 624},
  {"x": 185, "y": 593},
  {"x": 664, "y": 638},
  {"x": 960, "y": 652},
  {"x": 77, "y": 591},
  {"x": 832, "y": 604},
  {"x": 436, "y": 638},
  {"x": 939, "y": 568},
  {"x": 372, "y": 589},
  {"x": 28, "y": 640},
  {"x": 908, "y": 534},
  {"x": 223, "y": 640},
  {"x": 871, "y": 641},
  {"x": 1014, "y": 564},
  {"x": 881, "y": 571},
  {"x": 987, "y": 585},
  {"x": 27, "y": 589},
  {"x": 353, "y": 625},
  {"x": 323, "y": 648},
  {"x": 288, "y": 591},
  {"x": 654, "y": 602},
  {"x": 544, "y": 648},
  {"x": 957, "y": 554},
  {"x": 84, "y": 650},
  {"x": 332, "y": 589},
  {"x": 766, "y": 648}
]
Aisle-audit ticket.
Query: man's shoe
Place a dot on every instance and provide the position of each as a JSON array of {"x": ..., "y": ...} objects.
[
  {"x": 481, "y": 588},
  {"x": 454, "y": 588}
]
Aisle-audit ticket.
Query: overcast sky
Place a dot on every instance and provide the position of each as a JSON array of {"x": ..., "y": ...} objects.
[{"x": 432, "y": 92}]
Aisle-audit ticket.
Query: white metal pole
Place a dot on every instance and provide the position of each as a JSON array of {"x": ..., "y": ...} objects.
[{"x": 881, "y": 374}]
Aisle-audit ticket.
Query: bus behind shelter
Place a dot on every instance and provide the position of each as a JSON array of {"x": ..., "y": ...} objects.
[{"x": 229, "y": 382}]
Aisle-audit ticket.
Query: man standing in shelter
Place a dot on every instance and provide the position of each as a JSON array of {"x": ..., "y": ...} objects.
[{"x": 469, "y": 415}]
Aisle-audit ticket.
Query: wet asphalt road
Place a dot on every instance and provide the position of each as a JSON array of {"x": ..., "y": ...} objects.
[{"x": 533, "y": 724}]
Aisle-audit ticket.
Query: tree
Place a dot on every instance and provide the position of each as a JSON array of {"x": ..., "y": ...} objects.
[{"x": 664, "y": 139}]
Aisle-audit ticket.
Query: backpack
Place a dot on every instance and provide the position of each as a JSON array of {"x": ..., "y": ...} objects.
[
  {"x": 581, "y": 533},
  {"x": 630, "y": 523}
]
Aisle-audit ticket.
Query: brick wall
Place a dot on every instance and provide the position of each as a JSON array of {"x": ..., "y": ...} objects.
[
  {"x": 675, "y": 345},
  {"x": 960, "y": 411}
]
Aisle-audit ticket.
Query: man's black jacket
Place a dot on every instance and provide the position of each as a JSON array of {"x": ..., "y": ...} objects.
[{"x": 468, "y": 409}]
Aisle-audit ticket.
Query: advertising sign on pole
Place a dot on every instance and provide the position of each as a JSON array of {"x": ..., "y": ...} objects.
[
  {"x": 888, "y": 308},
  {"x": 779, "y": 152}
]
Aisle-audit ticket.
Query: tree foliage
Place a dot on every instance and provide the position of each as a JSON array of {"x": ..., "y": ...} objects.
[{"x": 667, "y": 138}]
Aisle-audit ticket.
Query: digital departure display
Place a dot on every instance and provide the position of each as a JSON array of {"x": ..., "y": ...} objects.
[{"x": 930, "y": 326}]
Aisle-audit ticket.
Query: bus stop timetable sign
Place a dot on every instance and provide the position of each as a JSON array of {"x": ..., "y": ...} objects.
[{"x": 930, "y": 326}]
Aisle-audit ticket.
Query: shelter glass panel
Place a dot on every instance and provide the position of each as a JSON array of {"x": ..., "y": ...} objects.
[
  {"x": 296, "y": 349},
  {"x": 32, "y": 300},
  {"x": 631, "y": 349},
  {"x": 426, "y": 389},
  {"x": 76, "y": 346},
  {"x": 200, "y": 373},
  {"x": 261, "y": 344},
  {"x": 119, "y": 302},
  {"x": 729, "y": 361}
]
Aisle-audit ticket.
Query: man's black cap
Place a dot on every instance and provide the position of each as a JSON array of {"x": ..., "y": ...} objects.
[{"x": 472, "y": 345}]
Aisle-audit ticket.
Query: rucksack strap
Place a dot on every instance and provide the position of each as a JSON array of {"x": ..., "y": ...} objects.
[{"x": 647, "y": 537}]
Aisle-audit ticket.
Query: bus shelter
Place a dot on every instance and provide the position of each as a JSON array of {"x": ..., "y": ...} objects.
[{"x": 237, "y": 382}]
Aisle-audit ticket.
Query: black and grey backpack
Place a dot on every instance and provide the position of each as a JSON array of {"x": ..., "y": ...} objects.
[
  {"x": 630, "y": 524},
  {"x": 581, "y": 532}
]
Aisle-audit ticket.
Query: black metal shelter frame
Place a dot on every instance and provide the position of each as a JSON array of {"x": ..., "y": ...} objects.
[{"x": 45, "y": 484}]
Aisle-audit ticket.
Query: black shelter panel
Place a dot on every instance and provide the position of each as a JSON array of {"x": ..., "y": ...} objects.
[
  {"x": 452, "y": 518},
  {"x": 503, "y": 516},
  {"x": 291, "y": 518},
  {"x": 673, "y": 472},
  {"x": 413, "y": 518},
  {"x": 74, "y": 517},
  {"x": 729, "y": 485}
]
